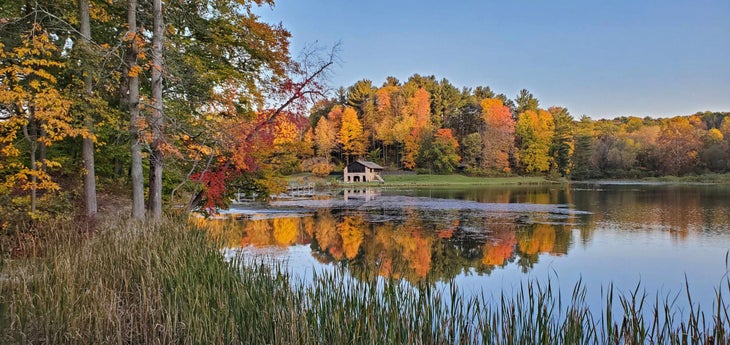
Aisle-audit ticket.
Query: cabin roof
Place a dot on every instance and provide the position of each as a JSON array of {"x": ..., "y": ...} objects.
[{"x": 370, "y": 165}]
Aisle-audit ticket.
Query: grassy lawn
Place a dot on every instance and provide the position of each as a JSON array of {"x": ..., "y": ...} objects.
[
  {"x": 462, "y": 180},
  {"x": 455, "y": 179},
  {"x": 705, "y": 178},
  {"x": 423, "y": 180}
]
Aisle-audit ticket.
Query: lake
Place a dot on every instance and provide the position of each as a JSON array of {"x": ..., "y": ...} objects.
[{"x": 489, "y": 240}]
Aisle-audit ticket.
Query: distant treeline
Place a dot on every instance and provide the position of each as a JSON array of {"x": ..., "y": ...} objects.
[{"x": 425, "y": 124}]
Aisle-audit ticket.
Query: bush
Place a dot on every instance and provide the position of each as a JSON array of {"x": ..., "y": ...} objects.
[{"x": 318, "y": 166}]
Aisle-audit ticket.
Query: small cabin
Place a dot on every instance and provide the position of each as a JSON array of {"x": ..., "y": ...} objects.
[{"x": 362, "y": 171}]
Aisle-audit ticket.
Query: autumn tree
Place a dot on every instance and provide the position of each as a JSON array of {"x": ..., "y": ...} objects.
[
  {"x": 292, "y": 144},
  {"x": 34, "y": 108},
  {"x": 643, "y": 140},
  {"x": 714, "y": 153},
  {"x": 389, "y": 106},
  {"x": 498, "y": 135},
  {"x": 350, "y": 135},
  {"x": 320, "y": 109},
  {"x": 229, "y": 82},
  {"x": 325, "y": 137},
  {"x": 679, "y": 144},
  {"x": 615, "y": 153},
  {"x": 414, "y": 123},
  {"x": 534, "y": 131}
]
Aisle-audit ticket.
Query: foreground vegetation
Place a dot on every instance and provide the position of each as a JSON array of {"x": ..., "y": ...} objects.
[{"x": 167, "y": 283}]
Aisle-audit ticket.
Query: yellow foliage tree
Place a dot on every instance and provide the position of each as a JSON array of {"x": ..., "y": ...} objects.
[
  {"x": 325, "y": 137},
  {"x": 534, "y": 131},
  {"x": 35, "y": 108},
  {"x": 351, "y": 134}
]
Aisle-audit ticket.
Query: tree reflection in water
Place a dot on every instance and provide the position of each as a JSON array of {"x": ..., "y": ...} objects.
[
  {"x": 413, "y": 244},
  {"x": 607, "y": 233}
]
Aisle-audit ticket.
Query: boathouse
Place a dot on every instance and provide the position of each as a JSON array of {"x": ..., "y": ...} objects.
[{"x": 362, "y": 171}]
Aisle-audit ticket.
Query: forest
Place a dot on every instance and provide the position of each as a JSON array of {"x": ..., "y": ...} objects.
[{"x": 181, "y": 104}]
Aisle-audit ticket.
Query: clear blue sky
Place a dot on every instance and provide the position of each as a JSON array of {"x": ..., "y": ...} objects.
[{"x": 599, "y": 58}]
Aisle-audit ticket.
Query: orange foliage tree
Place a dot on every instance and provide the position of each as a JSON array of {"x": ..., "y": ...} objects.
[
  {"x": 388, "y": 105},
  {"x": 415, "y": 122},
  {"x": 498, "y": 137}
]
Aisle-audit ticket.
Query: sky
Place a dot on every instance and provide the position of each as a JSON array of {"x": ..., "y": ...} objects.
[{"x": 595, "y": 57}]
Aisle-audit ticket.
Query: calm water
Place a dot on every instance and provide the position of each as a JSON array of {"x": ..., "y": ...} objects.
[{"x": 489, "y": 240}]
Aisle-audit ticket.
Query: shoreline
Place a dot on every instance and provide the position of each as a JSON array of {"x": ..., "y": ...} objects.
[{"x": 457, "y": 180}]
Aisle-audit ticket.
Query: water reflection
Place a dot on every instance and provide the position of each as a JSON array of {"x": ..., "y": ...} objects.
[
  {"x": 414, "y": 244},
  {"x": 680, "y": 210},
  {"x": 491, "y": 239},
  {"x": 362, "y": 193},
  {"x": 440, "y": 233}
]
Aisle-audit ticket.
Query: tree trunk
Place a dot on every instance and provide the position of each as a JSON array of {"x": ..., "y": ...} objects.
[
  {"x": 133, "y": 104},
  {"x": 87, "y": 149},
  {"x": 31, "y": 135},
  {"x": 42, "y": 149},
  {"x": 155, "y": 179}
]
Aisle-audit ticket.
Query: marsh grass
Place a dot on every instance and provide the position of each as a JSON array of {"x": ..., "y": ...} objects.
[{"x": 165, "y": 283}]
